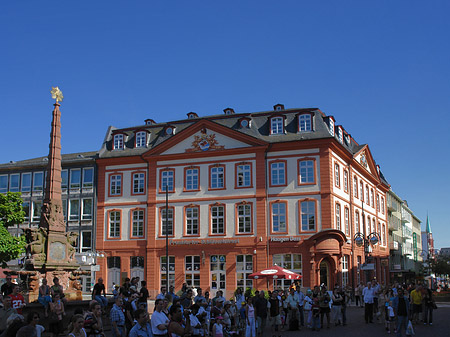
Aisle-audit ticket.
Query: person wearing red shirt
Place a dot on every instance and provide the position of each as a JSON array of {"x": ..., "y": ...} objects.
[{"x": 17, "y": 300}]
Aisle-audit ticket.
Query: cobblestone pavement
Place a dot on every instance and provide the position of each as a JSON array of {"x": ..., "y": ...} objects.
[{"x": 357, "y": 327}]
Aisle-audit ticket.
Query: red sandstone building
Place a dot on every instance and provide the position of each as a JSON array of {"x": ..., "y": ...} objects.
[{"x": 246, "y": 191}]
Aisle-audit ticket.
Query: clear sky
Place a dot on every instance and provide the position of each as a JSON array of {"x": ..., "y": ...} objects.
[{"x": 381, "y": 68}]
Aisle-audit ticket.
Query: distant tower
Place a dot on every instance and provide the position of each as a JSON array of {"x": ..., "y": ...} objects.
[{"x": 430, "y": 241}]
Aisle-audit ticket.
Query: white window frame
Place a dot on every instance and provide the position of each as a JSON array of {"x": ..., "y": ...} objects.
[
  {"x": 338, "y": 216},
  {"x": 192, "y": 220},
  {"x": 244, "y": 216},
  {"x": 75, "y": 185},
  {"x": 138, "y": 223},
  {"x": 38, "y": 188},
  {"x": 345, "y": 180},
  {"x": 305, "y": 122},
  {"x": 345, "y": 273},
  {"x": 115, "y": 187},
  {"x": 25, "y": 188},
  {"x": 308, "y": 211},
  {"x": 217, "y": 219},
  {"x": 138, "y": 183},
  {"x": 65, "y": 185},
  {"x": 279, "y": 212},
  {"x": 114, "y": 224},
  {"x": 141, "y": 139},
  {"x": 3, "y": 183},
  {"x": 244, "y": 268},
  {"x": 217, "y": 177},
  {"x": 37, "y": 206},
  {"x": 86, "y": 183},
  {"x": 192, "y": 178},
  {"x": 292, "y": 262},
  {"x": 84, "y": 214},
  {"x": 355, "y": 187},
  {"x": 162, "y": 264},
  {"x": 167, "y": 179},
  {"x": 244, "y": 175},
  {"x": 306, "y": 169},
  {"x": 74, "y": 204},
  {"x": 82, "y": 247},
  {"x": 15, "y": 188},
  {"x": 337, "y": 175},
  {"x": 170, "y": 218},
  {"x": 119, "y": 141},
  {"x": 27, "y": 205},
  {"x": 278, "y": 173},
  {"x": 276, "y": 125},
  {"x": 192, "y": 270},
  {"x": 347, "y": 220}
]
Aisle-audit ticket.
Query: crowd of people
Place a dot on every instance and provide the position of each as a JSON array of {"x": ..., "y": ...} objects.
[{"x": 190, "y": 312}]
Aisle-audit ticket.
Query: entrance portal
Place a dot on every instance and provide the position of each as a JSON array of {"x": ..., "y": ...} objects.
[{"x": 325, "y": 273}]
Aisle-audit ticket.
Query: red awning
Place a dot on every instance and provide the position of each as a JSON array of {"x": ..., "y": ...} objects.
[{"x": 276, "y": 272}]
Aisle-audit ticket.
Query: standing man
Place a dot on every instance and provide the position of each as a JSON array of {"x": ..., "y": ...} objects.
[
  {"x": 275, "y": 319},
  {"x": 368, "y": 295},
  {"x": 261, "y": 312},
  {"x": 172, "y": 293},
  {"x": 416, "y": 299},
  {"x": 376, "y": 291},
  {"x": 7, "y": 287},
  {"x": 17, "y": 300},
  {"x": 292, "y": 301},
  {"x": 400, "y": 304},
  {"x": 5, "y": 312},
  {"x": 301, "y": 300},
  {"x": 117, "y": 319},
  {"x": 162, "y": 294},
  {"x": 99, "y": 288},
  {"x": 142, "y": 328},
  {"x": 199, "y": 296},
  {"x": 159, "y": 320}
]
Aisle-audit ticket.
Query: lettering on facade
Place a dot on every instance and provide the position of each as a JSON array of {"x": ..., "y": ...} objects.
[
  {"x": 285, "y": 238},
  {"x": 202, "y": 242}
]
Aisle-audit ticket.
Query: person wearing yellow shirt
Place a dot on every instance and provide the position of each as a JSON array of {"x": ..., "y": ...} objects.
[{"x": 416, "y": 299}]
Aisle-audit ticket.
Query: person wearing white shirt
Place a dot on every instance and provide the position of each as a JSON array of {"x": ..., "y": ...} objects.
[
  {"x": 292, "y": 301},
  {"x": 301, "y": 300},
  {"x": 368, "y": 295},
  {"x": 159, "y": 320}
]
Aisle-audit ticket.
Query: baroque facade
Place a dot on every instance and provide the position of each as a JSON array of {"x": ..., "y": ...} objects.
[{"x": 244, "y": 191}]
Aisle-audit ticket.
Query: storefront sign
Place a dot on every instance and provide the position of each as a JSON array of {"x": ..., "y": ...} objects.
[
  {"x": 203, "y": 242},
  {"x": 285, "y": 238}
]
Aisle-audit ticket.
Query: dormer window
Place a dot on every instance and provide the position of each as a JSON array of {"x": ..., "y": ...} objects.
[
  {"x": 278, "y": 107},
  {"x": 119, "y": 141},
  {"x": 149, "y": 122},
  {"x": 347, "y": 139},
  {"x": 276, "y": 125},
  {"x": 304, "y": 122},
  {"x": 192, "y": 115},
  {"x": 244, "y": 123},
  {"x": 331, "y": 125},
  {"x": 340, "y": 134},
  {"x": 141, "y": 139},
  {"x": 228, "y": 111},
  {"x": 170, "y": 130}
]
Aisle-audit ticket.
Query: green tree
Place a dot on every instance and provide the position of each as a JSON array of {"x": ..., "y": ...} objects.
[
  {"x": 440, "y": 265},
  {"x": 11, "y": 213}
]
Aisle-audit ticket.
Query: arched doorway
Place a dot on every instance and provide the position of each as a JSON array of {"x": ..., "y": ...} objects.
[{"x": 325, "y": 273}]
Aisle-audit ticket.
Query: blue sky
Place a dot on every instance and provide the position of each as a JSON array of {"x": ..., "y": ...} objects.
[{"x": 381, "y": 68}]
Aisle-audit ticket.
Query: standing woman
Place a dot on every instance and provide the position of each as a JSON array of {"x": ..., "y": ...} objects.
[
  {"x": 250, "y": 317},
  {"x": 337, "y": 306},
  {"x": 76, "y": 327},
  {"x": 56, "y": 315},
  {"x": 429, "y": 306},
  {"x": 44, "y": 296}
]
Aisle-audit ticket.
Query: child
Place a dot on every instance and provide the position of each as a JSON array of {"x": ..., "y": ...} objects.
[
  {"x": 390, "y": 319},
  {"x": 218, "y": 327}
]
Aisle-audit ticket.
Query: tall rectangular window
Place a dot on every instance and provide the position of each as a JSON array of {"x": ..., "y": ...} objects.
[
  {"x": 26, "y": 209},
  {"x": 163, "y": 269},
  {"x": 306, "y": 171},
  {"x": 26, "y": 182},
  {"x": 192, "y": 270},
  {"x": 141, "y": 139},
  {"x": 138, "y": 223},
  {"x": 64, "y": 180},
  {"x": 244, "y": 218},
  {"x": 74, "y": 209},
  {"x": 371, "y": 198},
  {"x": 64, "y": 208},
  {"x": 86, "y": 209},
  {"x": 217, "y": 174},
  {"x": 37, "y": 205},
  {"x": 361, "y": 190},
  {"x": 218, "y": 219},
  {"x": 115, "y": 184},
  {"x": 308, "y": 215},
  {"x": 244, "y": 175},
  {"x": 38, "y": 181},
  {"x": 367, "y": 195},
  {"x": 347, "y": 221},
  {"x": 114, "y": 224},
  {"x": 337, "y": 174},
  {"x": 276, "y": 125},
  {"x": 88, "y": 177},
  {"x": 4, "y": 183},
  {"x": 75, "y": 178},
  {"x": 382, "y": 205},
  {"x": 279, "y": 217},
  {"x": 167, "y": 180},
  {"x": 345, "y": 181},
  {"x": 118, "y": 142},
  {"x": 338, "y": 217},
  {"x": 192, "y": 179},
  {"x": 86, "y": 241},
  {"x": 378, "y": 202},
  {"x": 139, "y": 183},
  {"x": 278, "y": 173},
  {"x": 192, "y": 220},
  {"x": 14, "y": 182},
  {"x": 244, "y": 268},
  {"x": 304, "y": 122},
  {"x": 355, "y": 187},
  {"x": 167, "y": 221},
  {"x": 357, "y": 224},
  {"x": 344, "y": 270}
]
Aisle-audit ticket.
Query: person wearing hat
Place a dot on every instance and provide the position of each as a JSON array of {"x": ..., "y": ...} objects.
[
  {"x": 227, "y": 315},
  {"x": 217, "y": 309}
]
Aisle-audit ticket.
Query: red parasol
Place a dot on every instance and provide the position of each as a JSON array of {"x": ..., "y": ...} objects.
[{"x": 276, "y": 272}]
